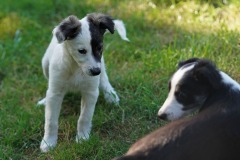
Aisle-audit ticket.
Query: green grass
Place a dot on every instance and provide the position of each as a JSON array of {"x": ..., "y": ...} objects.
[{"x": 162, "y": 33}]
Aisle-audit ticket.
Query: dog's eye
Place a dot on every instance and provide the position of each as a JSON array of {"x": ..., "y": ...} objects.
[
  {"x": 180, "y": 95},
  {"x": 82, "y": 51}
]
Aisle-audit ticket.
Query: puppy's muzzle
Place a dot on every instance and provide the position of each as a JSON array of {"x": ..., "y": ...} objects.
[{"x": 95, "y": 71}]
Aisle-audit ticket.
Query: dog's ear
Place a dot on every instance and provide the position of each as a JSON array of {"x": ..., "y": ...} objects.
[
  {"x": 68, "y": 29},
  {"x": 106, "y": 22},
  {"x": 119, "y": 26},
  {"x": 102, "y": 21},
  {"x": 191, "y": 60},
  {"x": 206, "y": 72}
]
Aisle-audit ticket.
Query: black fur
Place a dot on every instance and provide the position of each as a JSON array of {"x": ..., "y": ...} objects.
[
  {"x": 206, "y": 72},
  {"x": 98, "y": 23},
  {"x": 191, "y": 60},
  {"x": 68, "y": 29},
  {"x": 213, "y": 134},
  {"x": 196, "y": 85}
]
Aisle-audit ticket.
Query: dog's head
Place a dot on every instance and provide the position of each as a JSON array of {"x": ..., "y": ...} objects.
[
  {"x": 189, "y": 88},
  {"x": 83, "y": 39}
]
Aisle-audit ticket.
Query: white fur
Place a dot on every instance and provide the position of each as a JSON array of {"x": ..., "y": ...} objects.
[
  {"x": 228, "y": 80},
  {"x": 119, "y": 26},
  {"x": 171, "y": 106},
  {"x": 67, "y": 70}
]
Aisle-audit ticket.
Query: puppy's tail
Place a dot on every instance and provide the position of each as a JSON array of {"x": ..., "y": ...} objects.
[{"x": 119, "y": 26}]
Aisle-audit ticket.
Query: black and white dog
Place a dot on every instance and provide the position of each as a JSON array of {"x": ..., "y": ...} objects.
[
  {"x": 74, "y": 62},
  {"x": 212, "y": 134}
]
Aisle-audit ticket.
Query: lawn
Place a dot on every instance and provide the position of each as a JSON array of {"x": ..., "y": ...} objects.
[{"x": 161, "y": 34}]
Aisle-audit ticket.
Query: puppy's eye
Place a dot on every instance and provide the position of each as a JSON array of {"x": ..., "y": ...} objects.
[
  {"x": 180, "y": 95},
  {"x": 82, "y": 51}
]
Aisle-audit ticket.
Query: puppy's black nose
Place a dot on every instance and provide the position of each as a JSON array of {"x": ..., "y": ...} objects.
[
  {"x": 163, "y": 116},
  {"x": 95, "y": 71}
]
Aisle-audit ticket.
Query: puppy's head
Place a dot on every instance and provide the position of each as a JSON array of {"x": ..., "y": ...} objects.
[
  {"x": 189, "y": 88},
  {"x": 83, "y": 39}
]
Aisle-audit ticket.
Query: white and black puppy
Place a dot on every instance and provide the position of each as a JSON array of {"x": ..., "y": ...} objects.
[
  {"x": 190, "y": 88},
  {"x": 74, "y": 62},
  {"x": 212, "y": 134}
]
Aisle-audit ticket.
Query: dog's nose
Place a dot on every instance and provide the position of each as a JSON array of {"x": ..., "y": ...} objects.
[
  {"x": 95, "y": 71},
  {"x": 162, "y": 116}
]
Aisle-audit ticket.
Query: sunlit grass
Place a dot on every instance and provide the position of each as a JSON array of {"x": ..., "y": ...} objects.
[
  {"x": 190, "y": 15},
  {"x": 9, "y": 25}
]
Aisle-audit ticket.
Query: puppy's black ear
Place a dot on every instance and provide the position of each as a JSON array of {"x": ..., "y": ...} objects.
[
  {"x": 106, "y": 22},
  {"x": 206, "y": 73},
  {"x": 102, "y": 21},
  {"x": 191, "y": 60},
  {"x": 68, "y": 29}
]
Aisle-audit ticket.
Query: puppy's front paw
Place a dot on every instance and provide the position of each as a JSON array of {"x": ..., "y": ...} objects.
[
  {"x": 111, "y": 97},
  {"x": 82, "y": 137},
  {"x": 48, "y": 144}
]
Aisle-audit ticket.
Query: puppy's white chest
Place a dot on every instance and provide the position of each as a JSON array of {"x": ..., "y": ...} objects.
[{"x": 80, "y": 82}]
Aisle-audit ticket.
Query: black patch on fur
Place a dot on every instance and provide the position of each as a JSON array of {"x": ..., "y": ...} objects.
[
  {"x": 205, "y": 71},
  {"x": 189, "y": 61},
  {"x": 68, "y": 29},
  {"x": 190, "y": 93},
  {"x": 98, "y": 23},
  {"x": 196, "y": 84}
]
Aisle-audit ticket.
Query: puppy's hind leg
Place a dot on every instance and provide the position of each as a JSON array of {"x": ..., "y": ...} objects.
[
  {"x": 110, "y": 94},
  {"x": 45, "y": 68},
  {"x": 42, "y": 102},
  {"x": 45, "y": 65}
]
